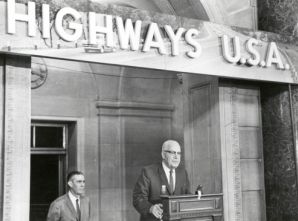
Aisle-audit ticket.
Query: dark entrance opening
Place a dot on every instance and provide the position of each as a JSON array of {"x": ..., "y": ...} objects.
[
  {"x": 45, "y": 179},
  {"x": 48, "y": 166}
]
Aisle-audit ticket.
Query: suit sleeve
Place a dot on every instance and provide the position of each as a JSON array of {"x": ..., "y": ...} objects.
[
  {"x": 141, "y": 194},
  {"x": 89, "y": 211},
  {"x": 54, "y": 212}
]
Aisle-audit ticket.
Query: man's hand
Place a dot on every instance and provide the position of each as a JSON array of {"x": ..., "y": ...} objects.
[{"x": 156, "y": 210}]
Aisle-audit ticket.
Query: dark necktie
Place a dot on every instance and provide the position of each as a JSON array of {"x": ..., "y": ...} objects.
[
  {"x": 78, "y": 209},
  {"x": 171, "y": 182}
]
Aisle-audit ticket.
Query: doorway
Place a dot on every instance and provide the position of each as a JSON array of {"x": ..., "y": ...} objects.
[{"x": 48, "y": 166}]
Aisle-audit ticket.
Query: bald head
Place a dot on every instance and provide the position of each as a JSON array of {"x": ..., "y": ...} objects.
[{"x": 171, "y": 153}]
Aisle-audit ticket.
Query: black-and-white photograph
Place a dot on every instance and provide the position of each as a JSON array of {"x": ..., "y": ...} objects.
[{"x": 150, "y": 110}]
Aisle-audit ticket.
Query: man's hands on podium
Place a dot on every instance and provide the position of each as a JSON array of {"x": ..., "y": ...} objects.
[{"x": 156, "y": 210}]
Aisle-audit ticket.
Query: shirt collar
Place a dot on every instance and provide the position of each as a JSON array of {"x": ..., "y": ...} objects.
[
  {"x": 167, "y": 169},
  {"x": 72, "y": 197}
]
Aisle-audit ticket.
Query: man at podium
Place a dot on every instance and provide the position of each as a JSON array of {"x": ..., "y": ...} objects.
[{"x": 165, "y": 178}]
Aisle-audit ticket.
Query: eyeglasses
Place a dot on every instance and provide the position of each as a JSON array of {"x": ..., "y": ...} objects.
[{"x": 173, "y": 152}]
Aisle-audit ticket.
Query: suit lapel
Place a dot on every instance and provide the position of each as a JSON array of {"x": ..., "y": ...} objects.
[
  {"x": 71, "y": 207},
  {"x": 84, "y": 208},
  {"x": 178, "y": 181},
  {"x": 163, "y": 178}
]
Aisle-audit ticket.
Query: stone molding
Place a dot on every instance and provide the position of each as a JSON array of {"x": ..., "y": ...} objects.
[
  {"x": 230, "y": 154},
  {"x": 134, "y": 109}
]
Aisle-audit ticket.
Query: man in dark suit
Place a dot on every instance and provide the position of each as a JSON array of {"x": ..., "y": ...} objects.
[
  {"x": 159, "y": 179},
  {"x": 73, "y": 206}
]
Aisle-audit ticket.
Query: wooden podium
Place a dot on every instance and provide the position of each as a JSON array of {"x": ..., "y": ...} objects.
[{"x": 188, "y": 207}]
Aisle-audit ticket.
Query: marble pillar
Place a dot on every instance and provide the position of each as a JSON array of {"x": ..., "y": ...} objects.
[
  {"x": 279, "y": 154},
  {"x": 278, "y": 16},
  {"x": 15, "y": 149}
]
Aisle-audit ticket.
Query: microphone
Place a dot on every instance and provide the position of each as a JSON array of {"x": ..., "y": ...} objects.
[{"x": 199, "y": 191}]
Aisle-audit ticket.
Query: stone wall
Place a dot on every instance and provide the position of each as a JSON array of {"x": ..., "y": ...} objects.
[
  {"x": 279, "y": 153},
  {"x": 126, "y": 115}
]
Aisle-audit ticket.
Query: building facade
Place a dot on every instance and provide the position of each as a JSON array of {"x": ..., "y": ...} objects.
[{"x": 198, "y": 72}]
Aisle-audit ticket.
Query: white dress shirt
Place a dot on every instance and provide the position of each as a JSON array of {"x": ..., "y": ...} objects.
[
  {"x": 73, "y": 200},
  {"x": 167, "y": 171}
]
